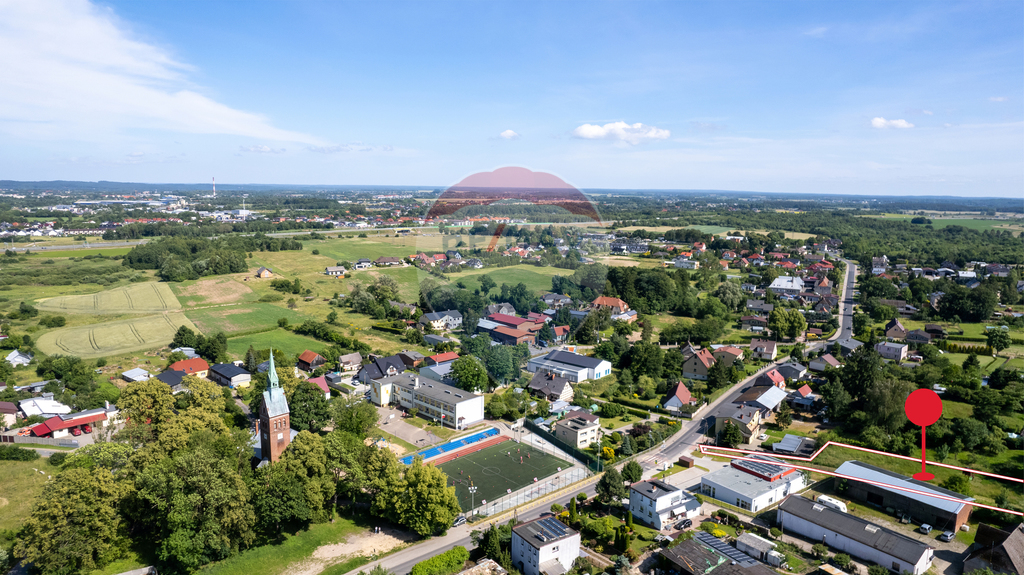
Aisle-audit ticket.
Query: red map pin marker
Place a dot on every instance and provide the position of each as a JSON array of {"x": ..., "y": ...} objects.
[{"x": 923, "y": 407}]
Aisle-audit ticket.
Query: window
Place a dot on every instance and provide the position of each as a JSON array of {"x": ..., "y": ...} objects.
[
  {"x": 555, "y": 548},
  {"x": 895, "y": 566}
]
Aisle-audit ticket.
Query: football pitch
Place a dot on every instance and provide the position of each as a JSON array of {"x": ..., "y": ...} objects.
[{"x": 493, "y": 472}]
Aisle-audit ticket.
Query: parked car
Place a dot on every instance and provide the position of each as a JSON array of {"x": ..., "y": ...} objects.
[
  {"x": 76, "y": 431},
  {"x": 762, "y": 437},
  {"x": 925, "y": 528},
  {"x": 87, "y": 428},
  {"x": 947, "y": 536},
  {"x": 684, "y": 524},
  {"x": 460, "y": 520}
]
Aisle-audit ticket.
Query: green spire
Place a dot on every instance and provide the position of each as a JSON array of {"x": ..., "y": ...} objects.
[{"x": 272, "y": 372}]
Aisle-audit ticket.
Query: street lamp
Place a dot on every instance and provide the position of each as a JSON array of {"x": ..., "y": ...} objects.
[{"x": 472, "y": 492}]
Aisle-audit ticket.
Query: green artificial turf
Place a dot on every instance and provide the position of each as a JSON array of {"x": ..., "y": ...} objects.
[{"x": 492, "y": 471}]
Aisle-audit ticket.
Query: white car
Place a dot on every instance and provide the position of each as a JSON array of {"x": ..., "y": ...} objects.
[{"x": 762, "y": 437}]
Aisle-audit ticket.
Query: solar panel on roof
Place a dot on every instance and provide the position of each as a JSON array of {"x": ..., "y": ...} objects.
[
  {"x": 553, "y": 526},
  {"x": 723, "y": 548}
]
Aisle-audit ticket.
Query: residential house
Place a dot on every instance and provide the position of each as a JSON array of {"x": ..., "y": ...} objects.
[
  {"x": 561, "y": 332},
  {"x": 857, "y": 537},
  {"x": 8, "y": 414},
  {"x": 893, "y": 351},
  {"x": 310, "y": 360},
  {"x": 846, "y": 346},
  {"x": 174, "y": 379},
  {"x": 17, "y": 358},
  {"x": 502, "y": 308},
  {"x": 556, "y": 301},
  {"x": 823, "y": 286},
  {"x": 824, "y": 362},
  {"x": 792, "y": 370},
  {"x": 895, "y": 330},
  {"x": 334, "y": 270},
  {"x": 363, "y": 264},
  {"x": 441, "y": 358},
  {"x": 683, "y": 262},
  {"x": 765, "y": 398},
  {"x": 763, "y": 349},
  {"x": 404, "y": 307},
  {"x": 544, "y": 545},
  {"x": 760, "y": 306},
  {"x": 381, "y": 367},
  {"x": 698, "y": 364},
  {"x": 728, "y": 354},
  {"x": 579, "y": 429},
  {"x": 998, "y": 550},
  {"x": 551, "y": 386},
  {"x": 902, "y": 307},
  {"x": 411, "y": 359},
  {"x": 442, "y": 320},
  {"x": 752, "y": 483},
  {"x": 453, "y": 255},
  {"x": 264, "y": 273},
  {"x": 658, "y": 504},
  {"x": 771, "y": 378},
  {"x": 616, "y": 305},
  {"x": 451, "y": 406},
  {"x": 321, "y": 382},
  {"x": 692, "y": 557},
  {"x": 919, "y": 336},
  {"x": 231, "y": 375},
  {"x": 574, "y": 366},
  {"x": 387, "y": 261},
  {"x": 473, "y": 263},
  {"x": 197, "y": 367},
  {"x": 748, "y": 420},
  {"x": 44, "y": 406},
  {"x": 678, "y": 397},
  {"x": 754, "y": 321}
]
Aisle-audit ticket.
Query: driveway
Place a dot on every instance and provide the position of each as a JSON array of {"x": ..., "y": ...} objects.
[{"x": 391, "y": 421}]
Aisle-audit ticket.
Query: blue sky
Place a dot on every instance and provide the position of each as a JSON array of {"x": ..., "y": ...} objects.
[{"x": 814, "y": 97}]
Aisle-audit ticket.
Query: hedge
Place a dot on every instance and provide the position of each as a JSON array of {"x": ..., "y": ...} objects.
[
  {"x": 450, "y": 561},
  {"x": 388, "y": 328},
  {"x": 15, "y": 453}
]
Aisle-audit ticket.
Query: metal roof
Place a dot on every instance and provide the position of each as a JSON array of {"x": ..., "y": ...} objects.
[
  {"x": 723, "y": 548},
  {"x": 853, "y": 527},
  {"x": 871, "y": 473},
  {"x": 760, "y": 465},
  {"x": 789, "y": 443},
  {"x": 573, "y": 359},
  {"x": 228, "y": 370},
  {"x": 543, "y": 531}
]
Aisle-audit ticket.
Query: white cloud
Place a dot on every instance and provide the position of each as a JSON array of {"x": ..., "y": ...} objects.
[
  {"x": 74, "y": 69},
  {"x": 883, "y": 123},
  {"x": 262, "y": 149},
  {"x": 621, "y": 131},
  {"x": 999, "y": 99},
  {"x": 355, "y": 147},
  {"x": 817, "y": 32},
  {"x": 927, "y": 112},
  {"x": 509, "y": 135}
]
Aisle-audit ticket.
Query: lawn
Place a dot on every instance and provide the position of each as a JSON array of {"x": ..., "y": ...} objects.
[
  {"x": 114, "y": 337},
  {"x": 79, "y": 253},
  {"x": 19, "y": 489},
  {"x": 284, "y": 340},
  {"x": 537, "y": 279},
  {"x": 496, "y": 472},
  {"x": 241, "y": 318},
  {"x": 149, "y": 298},
  {"x": 273, "y": 559}
]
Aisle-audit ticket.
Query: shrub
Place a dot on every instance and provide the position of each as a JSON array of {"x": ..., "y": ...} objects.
[
  {"x": 14, "y": 453},
  {"x": 581, "y": 497},
  {"x": 57, "y": 459},
  {"x": 316, "y": 252},
  {"x": 271, "y": 297},
  {"x": 842, "y": 560},
  {"x": 450, "y": 561},
  {"x": 819, "y": 551}
]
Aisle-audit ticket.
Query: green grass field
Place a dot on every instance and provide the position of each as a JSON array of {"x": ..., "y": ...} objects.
[
  {"x": 19, "y": 489},
  {"x": 536, "y": 278},
  {"x": 241, "y": 317},
  {"x": 493, "y": 472},
  {"x": 114, "y": 337},
  {"x": 80, "y": 253},
  {"x": 283, "y": 340},
  {"x": 149, "y": 298}
]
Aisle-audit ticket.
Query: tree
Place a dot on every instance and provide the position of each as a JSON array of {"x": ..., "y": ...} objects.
[
  {"x": 998, "y": 339},
  {"x": 632, "y": 472},
  {"x": 819, "y": 551},
  {"x": 147, "y": 402},
  {"x": 384, "y": 484},
  {"x": 942, "y": 452},
  {"x": 353, "y": 415},
  {"x": 731, "y": 435},
  {"x": 309, "y": 408},
  {"x": 573, "y": 513},
  {"x": 74, "y": 525},
  {"x": 252, "y": 362},
  {"x": 469, "y": 374},
  {"x": 610, "y": 487},
  {"x": 277, "y": 498},
  {"x": 731, "y": 294},
  {"x": 332, "y": 318},
  {"x": 784, "y": 418},
  {"x": 501, "y": 365},
  {"x": 959, "y": 483},
  {"x": 884, "y": 402},
  {"x": 970, "y": 432},
  {"x": 486, "y": 283},
  {"x": 184, "y": 337},
  {"x": 430, "y": 505},
  {"x": 842, "y": 560}
]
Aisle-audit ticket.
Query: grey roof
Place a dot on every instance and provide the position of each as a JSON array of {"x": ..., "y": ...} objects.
[
  {"x": 379, "y": 367},
  {"x": 791, "y": 370},
  {"x": 871, "y": 473},
  {"x": 860, "y": 530},
  {"x": 430, "y": 389},
  {"x": 172, "y": 377},
  {"x": 136, "y": 373},
  {"x": 543, "y": 531},
  {"x": 228, "y": 370},
  {"x": 653, "y": 488},
  {"x": 573, "y": 359},
  {"x": 432, "y": 339},
  {"x": 793, "y": 444},
  {"x": 744, "y": 483},
  {"x": 771, "y": 398},
  {"x": 548, "y": 383},
  {"x": 755, "y": 542},
  {"x": 487, "y": 324},
  {"x": 436, "y": 315},
  {"x": 274, "y": 401}
]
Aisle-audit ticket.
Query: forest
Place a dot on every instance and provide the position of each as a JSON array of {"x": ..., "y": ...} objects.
[{"x": 180, "y": 259}]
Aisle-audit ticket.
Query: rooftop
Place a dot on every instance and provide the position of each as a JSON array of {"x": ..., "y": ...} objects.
[
  {"x": 543, "y": 531},
  {"x": 653, "y": 488},
  {"x": 871, "y": 473},
  {"x": 573, "y": 359},
  {"x": 744, "y": 483}
]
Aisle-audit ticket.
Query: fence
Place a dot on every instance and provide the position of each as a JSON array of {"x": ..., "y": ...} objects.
[
  {"x": 593, "y": 463},
  {"x": 39, "y": 440},
  {"x": 537, "y": 490}
]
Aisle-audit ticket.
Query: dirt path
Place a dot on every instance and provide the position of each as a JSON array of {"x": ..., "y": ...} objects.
[{"x": 367, "y": 544}]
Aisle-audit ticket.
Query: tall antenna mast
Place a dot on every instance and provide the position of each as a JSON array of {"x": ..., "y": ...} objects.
[{"x": 215, "y": 187}]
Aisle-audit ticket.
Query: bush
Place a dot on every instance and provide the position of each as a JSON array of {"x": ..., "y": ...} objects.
[
  {"x": 316, "y": 252},
  {"x": 53, "y": 321},
  {"x": 14, "y": 453},
  {"x": 450, "y": 561},
  {"x": 581, "y": 497},
  {"x": 271, "y": 297},
  {"x": 842, "y": 560},
  {"x": 775, "y": 532},
  {"x": 819, "y": 551},
  {"x": 57, "y": 459}
]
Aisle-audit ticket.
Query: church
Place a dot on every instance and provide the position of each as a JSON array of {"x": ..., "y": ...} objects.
[{"x": 273, "y": 427}]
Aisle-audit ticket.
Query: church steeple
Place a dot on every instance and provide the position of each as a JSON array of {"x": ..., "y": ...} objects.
[
  {"x": 274, "y": 416},
  {"x": 272, "y": 372}
]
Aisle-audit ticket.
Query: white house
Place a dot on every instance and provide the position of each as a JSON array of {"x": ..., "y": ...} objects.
[
  {"x": 752, "y": 483},
  {"x": 658, "y": 504},
  {"x": 854, "y": 536},
  {"x": 573, "y": 366},
  {"x": 891, "y": 350},
  {"x": 16, "y": 358},
  {"x": 43, "y": 406},
  {"x": 544, "y": 545},
  {"x": 334, "y": 270},
  {"x": 443, "y": 320},
  {"x": 450, "y": 405},
  {"x": 579, "y": 429},
  {"x": 763, "y": 349},
  {"x": 787, "y": 285}
]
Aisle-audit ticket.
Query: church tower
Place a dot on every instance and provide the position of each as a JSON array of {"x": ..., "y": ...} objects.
[{"x": 275, "y": 427}]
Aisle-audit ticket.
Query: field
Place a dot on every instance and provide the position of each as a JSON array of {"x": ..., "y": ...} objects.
[
  {"x": 980, "y": 224},
  {"x": 496, "y": 472},
  {"x": 240, "y": 318},
  {"x": 536, "y": 278},
  {"x": 114, "y": 337},
  {"x": 283, "y": 340},
  {"x": 19, "y": 488},
  {"x": 149, "y": 298},
  {"x": 216, "y": 290},
  {"x": 79, "y": 253}
]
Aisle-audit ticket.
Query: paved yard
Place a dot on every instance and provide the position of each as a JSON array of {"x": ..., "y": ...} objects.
[{"x": 391, "y": 421}]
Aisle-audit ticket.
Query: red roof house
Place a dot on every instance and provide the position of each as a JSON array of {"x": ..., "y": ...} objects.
[
  {"x": 310, "y": 360},
  {"x": 196, "y": 366}
]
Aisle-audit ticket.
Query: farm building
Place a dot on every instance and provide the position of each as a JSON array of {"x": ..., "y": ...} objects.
[
  {"x": 752, "y": 483},
  {"x": 939, "y": 513},
  {"x": 998, "y": 550},
  {"x": 230, "y": 375},
  {"x": 854, "y": 536},
  {"x": 309, "y": 360},
  {"x": 264, "y": 273},
  {"x": 197, "y": 367},
  {"x": 512, "y": 336},
  {"x": 137, "y": 374}
]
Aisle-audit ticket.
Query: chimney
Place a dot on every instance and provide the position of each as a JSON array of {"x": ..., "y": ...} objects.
[
  {"x": 416, "y": 382},
  {"x": 257, "y": 429}
]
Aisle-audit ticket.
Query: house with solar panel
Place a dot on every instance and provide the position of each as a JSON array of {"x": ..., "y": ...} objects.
[
  {"x": 706, "y": 554},
  {"x": 544, "y": 545},
  {"x": 854, "y": 536},
  {"x": 752, "y": 483}
]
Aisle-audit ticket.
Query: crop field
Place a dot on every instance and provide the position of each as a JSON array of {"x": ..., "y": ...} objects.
[
  {"x": 79, "y": 253},
  {"x": 149, "y": 297},
  {"x": 493, "y": 472},
  {"x": 286, "y": 341},
  {"x": 240, "y": 317},
  {"x": 114, "y": 337},
  {"x": 215, "y": 290}
]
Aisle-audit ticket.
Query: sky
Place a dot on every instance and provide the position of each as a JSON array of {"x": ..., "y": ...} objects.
[{"x": 911, "y": 98}]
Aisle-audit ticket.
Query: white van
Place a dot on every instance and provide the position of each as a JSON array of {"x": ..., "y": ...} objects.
[{"x": 831, "y": 502}]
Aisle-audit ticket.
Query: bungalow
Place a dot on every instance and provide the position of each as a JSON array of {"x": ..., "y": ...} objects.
[
  {"x": 197, "y": 367},
  {"x": 137, "y": 374},
  {"x": 792, "y": 370},
  {"x": 350, "y": 361},
  {"x": 310, "y": 360},
  {"x": 824, "y": 362},
  {"x": 698, "y": 364},
  {"x": 264, "y": 273},
  {"x": 363, "y": 264},
  {"x": 334, "y": 270},
  {"x": 173, "y": 379},
  {"x": 387, "y": 261},
  {"x": 678, "y": 397},
  {"x": 763, "y": 349},
  {"x": 846, "y": 346},
  {"x": 682, "y": 262}
]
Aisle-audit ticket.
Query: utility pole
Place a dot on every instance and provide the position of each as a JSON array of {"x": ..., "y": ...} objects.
[{"x": 472, "y": 492}]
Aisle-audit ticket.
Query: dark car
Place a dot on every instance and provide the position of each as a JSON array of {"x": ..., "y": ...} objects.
[{"x": 684, "y": 524}]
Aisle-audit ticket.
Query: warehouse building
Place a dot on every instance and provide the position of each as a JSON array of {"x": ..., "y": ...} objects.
[
  {"x": 940, "y": 513},
  {"x": 854, "y": 536},
  {"x": 752, "y": 483}
]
